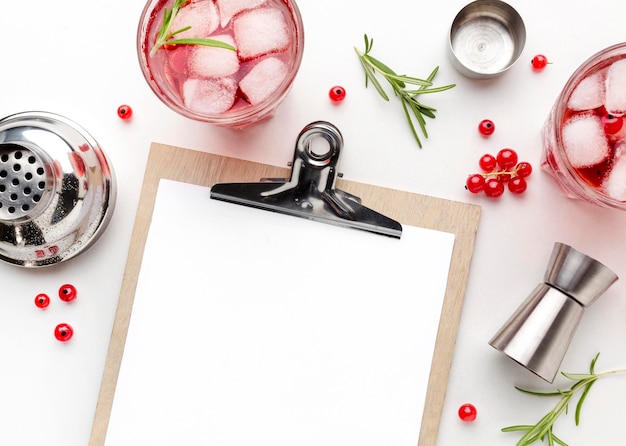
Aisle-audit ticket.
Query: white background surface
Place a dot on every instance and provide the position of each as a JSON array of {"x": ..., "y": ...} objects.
[{"x": 77, "y": 58}]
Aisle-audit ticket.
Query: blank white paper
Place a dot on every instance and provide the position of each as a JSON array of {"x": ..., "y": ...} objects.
[{"x": 256, "y": 328}]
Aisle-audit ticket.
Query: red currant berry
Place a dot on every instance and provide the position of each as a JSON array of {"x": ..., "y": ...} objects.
[
  {"x": 539, "y": 62},
  {"x": 612, "y": 124},
  {"x": 124, "y": 112},
  {"x": 507, "y": 158},
  {"x": 337, "y": 93},
  {"x": 486, "y": 127},
  {"x": 487, "y": 163},
  {"x": 63, "y": 332},
  {"x": 467, "y": 413},
  {"x": 524, "y": 169},
  {"x": 517, "y": 185},
  {"x": 42, "y": 300},
  {"x": 67, "y": 292},
  {"x": 504, "y": 177},
  {"x": 494, "y": 188},
  {"x": 475, "y": 183}
]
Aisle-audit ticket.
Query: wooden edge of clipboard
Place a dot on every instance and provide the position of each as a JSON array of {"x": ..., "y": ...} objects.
[{"x": 206, "y": 169}]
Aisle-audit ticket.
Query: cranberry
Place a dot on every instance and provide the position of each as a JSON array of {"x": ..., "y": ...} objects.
[
  {"x": 337, "y": 93},
  {"x": 67, "y": 292},
  {"x": 507, "y": 158},
  {"x": 487, "y": 163},
  {"x": 486, "y": 127},
  {"x": 494, "y": 188},
  {"x": 475, "y": 183},
  {"x": 524, "y": 169},
  {"x": 517, "y": 185},
  {"x": 612, "y": 124},
  {"x": 63, "y": 332},
  {"x": 467, "y": 413},
  {"x": 539, "y": 62},
  {"x": 42, "y": 300},
  {"x": 124, "y": 112}
]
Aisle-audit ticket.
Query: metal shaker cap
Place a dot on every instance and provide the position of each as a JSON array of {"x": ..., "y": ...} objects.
[
  {"x": 578, "y": 275},
  {"x": 486, "y": 38},
  {"x": 57, "y": 189}
]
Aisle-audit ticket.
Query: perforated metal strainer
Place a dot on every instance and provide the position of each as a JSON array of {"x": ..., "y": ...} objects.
[
  {"x": 22, "y": 181},
  {"x": 57, "y": 189}
]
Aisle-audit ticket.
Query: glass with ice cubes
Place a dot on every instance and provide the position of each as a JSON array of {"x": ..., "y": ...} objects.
[
  {"x": 217, "y": 85},
  {"x": 585, "y": 136}
]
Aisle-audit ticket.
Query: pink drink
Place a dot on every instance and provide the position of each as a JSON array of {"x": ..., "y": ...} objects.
[
  {"x": 217, "y": 85},
  {"x": 585, "y": 134}
]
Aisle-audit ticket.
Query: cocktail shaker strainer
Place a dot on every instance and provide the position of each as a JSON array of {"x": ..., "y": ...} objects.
[{"x": 57, "y": 189}]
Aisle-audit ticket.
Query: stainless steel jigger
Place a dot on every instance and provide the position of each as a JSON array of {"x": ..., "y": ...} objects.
[{"x": 539, "y": 333}]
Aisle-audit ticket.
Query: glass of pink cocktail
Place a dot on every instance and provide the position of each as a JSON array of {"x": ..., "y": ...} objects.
[
  {"x": 226, "y": 62},
  {"x": 585, "y": 134}
]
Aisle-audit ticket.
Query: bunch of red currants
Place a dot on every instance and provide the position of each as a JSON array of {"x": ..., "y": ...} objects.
[{"x": 503, "y": 169}]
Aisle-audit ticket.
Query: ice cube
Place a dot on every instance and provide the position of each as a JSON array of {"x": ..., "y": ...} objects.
[
  {"x": 263, "y": 79},
  {"x": 615, "y": 101},
  {"x": 584, "y": 141},
  {"x": 209, "y": 96},
  {"x": 615, "y": 183},
  {"x": 260, "y": 31},
  {"x": 589, "y": 93},
  {"x": 229, "y": 8},
  {"x": 201, "y": 16},
  {"x": 209, "y": 61}
]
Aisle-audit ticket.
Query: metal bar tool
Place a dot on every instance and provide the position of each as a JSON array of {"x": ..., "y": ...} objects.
[{"x": 539, "y": 333}]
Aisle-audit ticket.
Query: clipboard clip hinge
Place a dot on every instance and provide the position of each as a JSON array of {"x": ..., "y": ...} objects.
[{"x": 310, "y": 191}]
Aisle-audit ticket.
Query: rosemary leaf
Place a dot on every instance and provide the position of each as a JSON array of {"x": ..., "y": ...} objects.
[
  {"x": 182, "y": 30},
  {"x": 543, "y": 429},
  {"x": 418, "y": 112},
  {"x": 166, "y": 37},
  {"x": 381, "y": 67},
  {"x": 201, "y": 41},
  {"x": 368, "y": 43},
  {"x": 432, "y": 75},
  {"x": 427, "y": 111},
  {"x": 531, "y": 392},
  {"x": 424, "y": 90},
  {"x": 413, "y": 109},
  {"x": 559, "y": 441},
  {"x": 408, "y": 117},
  {"x": 371, "y": 77},
  {"x": 577, "y": 376},
  {"x": 402, "y": 80},
  {"x": 581, "y": 401},
  {"x": 517, "y": 428}
]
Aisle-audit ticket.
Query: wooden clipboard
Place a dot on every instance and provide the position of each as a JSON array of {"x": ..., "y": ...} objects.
[{"x": 205, "y": 169}]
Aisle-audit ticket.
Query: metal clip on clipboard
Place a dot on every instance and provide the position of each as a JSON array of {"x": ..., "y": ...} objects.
[{"x": 310, "y": 192}]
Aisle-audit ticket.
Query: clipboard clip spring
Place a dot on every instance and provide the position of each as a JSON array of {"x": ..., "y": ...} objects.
[{"x": 310, "y": 191}]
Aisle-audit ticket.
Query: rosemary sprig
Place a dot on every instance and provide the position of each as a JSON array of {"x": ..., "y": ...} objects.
[
  {"x": 408, "y": 97},
  {"x": 166, "y": 37},
  {"x": 543, "y": 430}
]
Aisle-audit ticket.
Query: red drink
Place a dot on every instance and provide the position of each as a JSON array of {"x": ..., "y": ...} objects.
[
  {"x": 218, "y": 85},
  {"x": 585, "y": 136}
]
